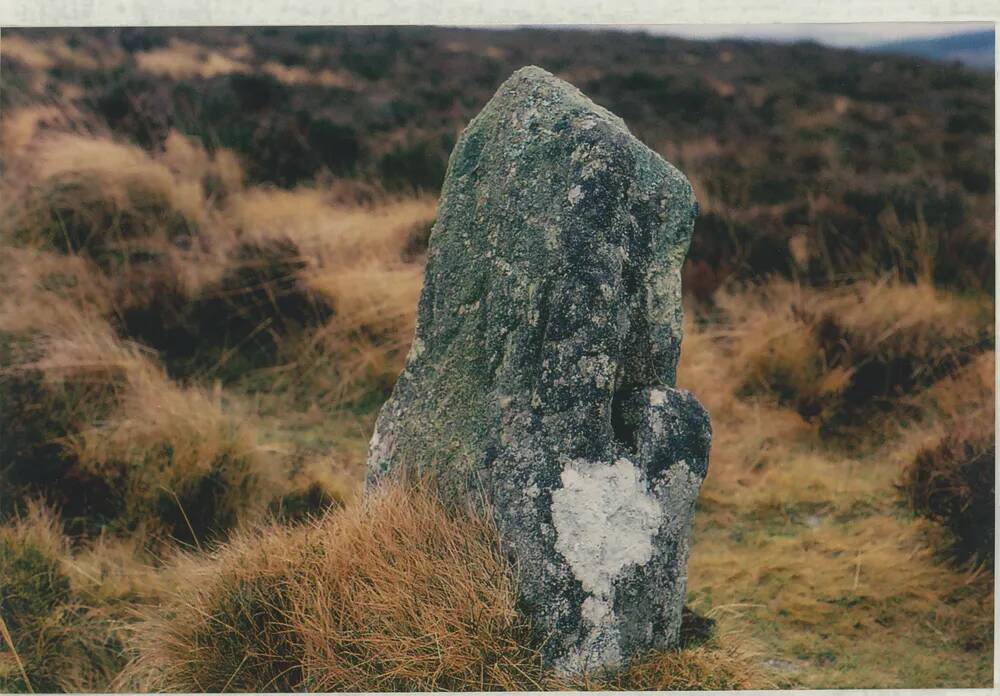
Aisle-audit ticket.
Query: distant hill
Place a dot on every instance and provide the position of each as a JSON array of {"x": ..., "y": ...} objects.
[{"x": 974, "y": 49}]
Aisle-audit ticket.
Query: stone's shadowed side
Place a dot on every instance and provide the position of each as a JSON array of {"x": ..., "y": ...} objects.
[{"x": 541, "y": 377}]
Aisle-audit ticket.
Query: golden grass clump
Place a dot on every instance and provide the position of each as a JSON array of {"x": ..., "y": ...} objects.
[
  {"x": 834, "y": 354},
  {"x": 299, "y": 75},
  {"x": 220, "y": 173},
  {"x": 39, "y": 59},
  {"x": 182, "y": 466},
  {"x": 94, "y": 425},
  {"x": 55, "y": 642},
  {"x": 315, "y": 484},
  {"x": 45, "y": 396},
  {"x": 116, "y": 203},
  {"x": 392, "y": 594},
  {"x": 720, "y": 664},
  {"x": 22, "y": 126},
  {"x": 110, "y": 201},
  {"x": 361, "y": 263},
  {"x": 40, "y": 290}
]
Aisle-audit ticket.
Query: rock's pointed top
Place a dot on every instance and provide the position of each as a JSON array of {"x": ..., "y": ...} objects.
[{"x": 531, "y": 83}]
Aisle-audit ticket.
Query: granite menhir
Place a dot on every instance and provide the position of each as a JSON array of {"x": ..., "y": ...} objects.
[{"x": 541, "y": 378}]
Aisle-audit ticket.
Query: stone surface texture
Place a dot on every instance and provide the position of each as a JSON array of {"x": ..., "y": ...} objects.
[{"x": 541, "y": 378}]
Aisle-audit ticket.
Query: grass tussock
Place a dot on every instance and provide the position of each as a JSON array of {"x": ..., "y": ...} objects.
[
  {"x": 839, "y": 356},
  {"x": 953, "y": 482},
  {"x": 393, "y": 594},
  {"x": 95, "y": 196},
  {"x": 95, "y": 427},
  {"x": 388, "y": 595},
  {"x": 721, "y": 664},
  {"x": 58, "y": 642},
  {"x": 365, "y": 266},
  {"x": 180, "y": 59}
]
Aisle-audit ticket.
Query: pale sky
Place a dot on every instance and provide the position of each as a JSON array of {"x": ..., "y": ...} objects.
[{"x": 844, "y": 35}]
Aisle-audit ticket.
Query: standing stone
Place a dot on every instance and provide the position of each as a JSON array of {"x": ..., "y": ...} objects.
[{"x": 541, "y": 377}]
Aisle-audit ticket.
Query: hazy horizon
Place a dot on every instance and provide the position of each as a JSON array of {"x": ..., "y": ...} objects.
[{"x": 842, "y": 35}]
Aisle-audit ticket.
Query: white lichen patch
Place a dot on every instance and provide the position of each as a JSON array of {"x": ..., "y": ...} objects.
[
  {"x": 595, "y": 610},
  {"x": 602, "y": 647},
  {"x": 657, "y": 397},
  {"x": 551, "y": 238},
  {"x": 592, "y": 168},
  {"x": 605, "y": 520},
  {"x": 467, "y": 308}
]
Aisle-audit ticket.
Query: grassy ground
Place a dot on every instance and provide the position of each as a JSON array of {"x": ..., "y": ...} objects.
[
  {"x": 213, "y": 244},
  {"x": 811, "y": 550}
]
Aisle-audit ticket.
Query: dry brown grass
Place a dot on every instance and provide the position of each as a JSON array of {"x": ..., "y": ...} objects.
[
  {"x": 59, "y": 642},
  {"x": 391, "y": 594},
  {"x": 835, "y": 354},
  {"x": 298, "y": 75},
  {"x": 42, "y": 55},
  {"x": 725, "y": 663},
  {"x": 953, "y": 481},
  {"x": 20, "y": 127},
  {"x": 807, "y": 548},
  {"x": 114, "y": 244},
  {"x": 162, "y": 459},
  {"x": 388, "y": 595},
  {"x": 184, "y": 467},
  {"x": 126, "y": 211},
  {"x": 360, "y": 262},
  {"x": 176, "y": 234}
]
